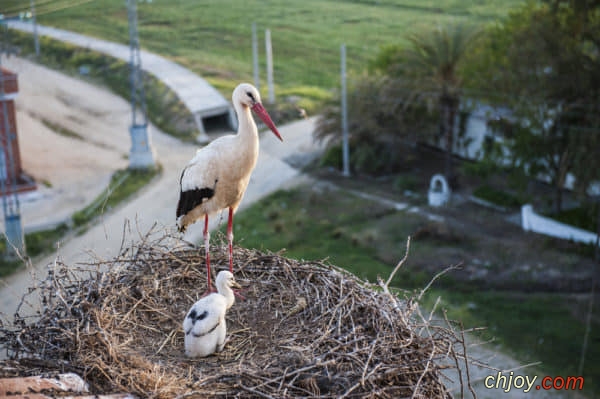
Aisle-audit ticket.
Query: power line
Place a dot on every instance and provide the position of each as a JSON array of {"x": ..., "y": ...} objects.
[
  {"x": 16, "y": 10},
  {"x": 141, "y": 155},
  {"x": 42, "y": 10},
  {"x": 64, "y": 7}
]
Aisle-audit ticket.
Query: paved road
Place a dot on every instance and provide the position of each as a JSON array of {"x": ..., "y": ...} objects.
[{"x": 200, "y": 98}]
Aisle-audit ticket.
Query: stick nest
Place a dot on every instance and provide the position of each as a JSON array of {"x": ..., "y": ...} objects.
[{"x": 305, "y": 329}]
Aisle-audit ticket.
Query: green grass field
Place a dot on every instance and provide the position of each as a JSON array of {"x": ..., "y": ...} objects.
[
  {"x": 532, "y": 327},
  {"x": 213, "y": 38}
]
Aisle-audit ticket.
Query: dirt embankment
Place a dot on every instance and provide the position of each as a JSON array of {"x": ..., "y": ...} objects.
[{"x": 71, "y": 139}]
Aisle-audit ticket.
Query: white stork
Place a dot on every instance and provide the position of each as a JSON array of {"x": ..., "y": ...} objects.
[
  {"x": 217, "y": 177},
  {"x": 204, "y": 325}
]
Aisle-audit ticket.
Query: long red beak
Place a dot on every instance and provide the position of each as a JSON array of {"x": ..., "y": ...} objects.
[{"x": 264, "y": 115}]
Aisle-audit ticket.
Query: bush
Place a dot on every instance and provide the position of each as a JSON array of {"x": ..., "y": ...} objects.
[
  {"x": 382, "y": 122},
  {"x": 373, "y": 159},
  {"x": 41, "y": 241},
  {"x": 333, "y": 157},
  {"x": 406, "y": 182},
  {"x": 497, "y": 197},
  {"x": 584, "y": 217},
  {"x": 483, "y": 169}
]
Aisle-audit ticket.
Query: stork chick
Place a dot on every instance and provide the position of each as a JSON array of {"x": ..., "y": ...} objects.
[
  {"x": 204, "y": 325},
  {"x": 218, "y": 175}
]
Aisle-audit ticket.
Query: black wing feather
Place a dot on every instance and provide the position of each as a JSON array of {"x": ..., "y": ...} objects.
[
  {"x": 195, "y": 316},
  {"x": 190, "y": 199}
]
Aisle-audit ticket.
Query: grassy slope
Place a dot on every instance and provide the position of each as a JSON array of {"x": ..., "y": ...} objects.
[
  {"x": 214, "y": 38},
  {"x": 283, "y": 222},
  {"x": 123, "y": 185},
  {"x": 534, "y": 327}
]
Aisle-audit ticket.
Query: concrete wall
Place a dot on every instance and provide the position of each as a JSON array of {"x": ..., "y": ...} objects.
[{"x": 531, "y": 221}]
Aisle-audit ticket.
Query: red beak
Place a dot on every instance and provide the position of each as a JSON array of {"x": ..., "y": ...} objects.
[{"x": 264, "y": 115}]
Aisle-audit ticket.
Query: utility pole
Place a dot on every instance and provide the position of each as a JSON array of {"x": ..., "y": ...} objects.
[
  {"x": 255, "y": 57},
  {"x": 269, "y": 53},
  {"x": 345, "y": 145},
  {"x": 141, "y": 155},
  {"x": 15, "y": 240},
  {"x": 36, "y": 41}
]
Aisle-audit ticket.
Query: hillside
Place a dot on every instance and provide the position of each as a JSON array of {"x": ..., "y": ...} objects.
[{"x": 214, "y": 39}]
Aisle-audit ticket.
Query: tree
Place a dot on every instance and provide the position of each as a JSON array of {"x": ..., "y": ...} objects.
[
  {"x": 431, "y": 68},
  {"x": 542, "y": 62},
  {"x": 382, "y": 121},
  {"x": 409, "y": 93}
]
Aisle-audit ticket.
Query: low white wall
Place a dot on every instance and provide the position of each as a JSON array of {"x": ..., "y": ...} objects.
[{"x": 531, "y": 221}]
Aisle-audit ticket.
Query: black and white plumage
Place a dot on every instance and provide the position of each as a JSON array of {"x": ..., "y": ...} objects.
[
  {"x": 218, "y": 175},
  {"x": 204, "y": 325}
]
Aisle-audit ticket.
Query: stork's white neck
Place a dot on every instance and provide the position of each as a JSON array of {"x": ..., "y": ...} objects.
[
  {"x": 227, "y": 292},
  {"x": 247, "y": 142},
  {"x": 246, "y": 125}
]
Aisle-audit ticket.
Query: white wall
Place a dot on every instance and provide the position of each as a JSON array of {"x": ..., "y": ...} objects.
[{"x": 531, "y": 221}]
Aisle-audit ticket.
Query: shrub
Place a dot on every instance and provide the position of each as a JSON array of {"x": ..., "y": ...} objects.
[
  {"x": 497, "y": 197},
  {"x": 332, "y": 157},
  {"x": 584, "y": 216},
  {"x": 406, "y": 182},
  {"x": 382, "y": 121}
]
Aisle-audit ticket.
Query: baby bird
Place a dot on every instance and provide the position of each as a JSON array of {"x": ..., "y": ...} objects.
[{"x": 204, "y": 325}]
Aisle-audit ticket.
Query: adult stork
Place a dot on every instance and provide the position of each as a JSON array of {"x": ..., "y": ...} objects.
[{"x": 217, "y": 177}]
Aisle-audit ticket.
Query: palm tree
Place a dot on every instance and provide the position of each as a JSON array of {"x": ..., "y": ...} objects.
[
  {"x": 402, "y": 83},
  {"x": 432, "y": 65}
]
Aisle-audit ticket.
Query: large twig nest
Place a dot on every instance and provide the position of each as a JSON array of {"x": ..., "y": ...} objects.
[{"x": 306, "y": 329}]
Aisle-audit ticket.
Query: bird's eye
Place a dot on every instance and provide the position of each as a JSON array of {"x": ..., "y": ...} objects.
[{"x": 250, "y": 95}]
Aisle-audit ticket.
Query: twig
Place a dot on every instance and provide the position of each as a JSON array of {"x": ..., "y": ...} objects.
[
  {"x": 437, "y": 276},
  {"x": 169, "y": 337},
  {"x": 465, "y": 359},
  {"x": 255, "y": 392},
  {"x": 386, "y": 286}
]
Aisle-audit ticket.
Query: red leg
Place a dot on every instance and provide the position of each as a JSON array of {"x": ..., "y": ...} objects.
[
  {"x": 230, "y": 238},
  {"x": 207, "y": 253}
]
